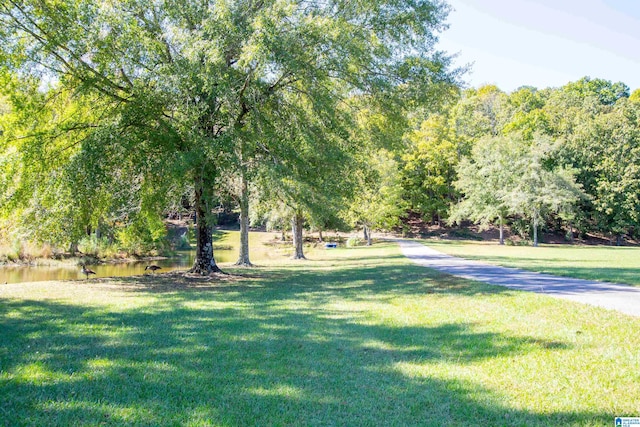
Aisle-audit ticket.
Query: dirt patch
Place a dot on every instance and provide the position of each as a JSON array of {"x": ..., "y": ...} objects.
[{"x": 178, "y": 281}]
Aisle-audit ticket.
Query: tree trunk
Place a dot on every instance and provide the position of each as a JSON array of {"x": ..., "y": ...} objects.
[
  {"x": 204, "y": 263},
  {"x": 320, "y": 239},
  {"x": 73, "y": 248},
  {"x": 501, "y": 229},
  {"x": 243, "y": 258},
  {"x": 535, "y": 232},
  {"x": 297, "y": 224},
  {"x": 570, "y": 232},
  {"x": 367, "y": 234}
]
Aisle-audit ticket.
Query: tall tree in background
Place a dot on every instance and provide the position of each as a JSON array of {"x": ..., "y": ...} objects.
[
  {"x": 183, "y": 78},
  {"x": 378, "y": 203},
  {"x": 512, "y": 176},
  {"x": 608, "y": 149},
  {"x": 429, "y": 165},
  {"x": 484, "y": 178},
  {"x": 539, "y": 187}
]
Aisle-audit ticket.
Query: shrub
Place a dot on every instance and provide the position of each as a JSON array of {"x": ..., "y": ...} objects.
[{"x": 352, "y": 242}]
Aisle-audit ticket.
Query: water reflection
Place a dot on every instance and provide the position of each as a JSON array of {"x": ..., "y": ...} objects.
[
  {"x": 70, "y": 272},
  {"x": 225, "y": 251}
]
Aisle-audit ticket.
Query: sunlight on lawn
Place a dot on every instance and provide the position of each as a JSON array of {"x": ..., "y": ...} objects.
[
  {"x": 605, "y": 263},
  {"x": 350, "y": 337}
]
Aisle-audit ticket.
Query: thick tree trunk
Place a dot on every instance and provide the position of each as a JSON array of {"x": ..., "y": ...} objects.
[
  {"x": 297, "y": 223},
  {"x": 243, "y": 258},
  {"x": 320, "y": 236},
  {"x": 204, "y": 263},
  {"x": 535, "y": 232},
  {"x": 501, "y": 230}
]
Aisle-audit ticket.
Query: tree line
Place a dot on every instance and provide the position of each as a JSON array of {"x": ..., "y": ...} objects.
[{"x": 565, "y": 159}]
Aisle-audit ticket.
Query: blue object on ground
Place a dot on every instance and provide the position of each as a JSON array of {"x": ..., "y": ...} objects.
[{"x": 330, "y": 245}]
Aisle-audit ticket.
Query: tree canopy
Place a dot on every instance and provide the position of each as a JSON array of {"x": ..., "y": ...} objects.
[{"x": 178, "y": 85}]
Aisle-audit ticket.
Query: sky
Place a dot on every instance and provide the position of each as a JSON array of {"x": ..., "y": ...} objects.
[{"x": 544, "y": 43}]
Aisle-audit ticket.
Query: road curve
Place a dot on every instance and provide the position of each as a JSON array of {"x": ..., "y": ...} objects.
[{"x": 625, "y": 299}]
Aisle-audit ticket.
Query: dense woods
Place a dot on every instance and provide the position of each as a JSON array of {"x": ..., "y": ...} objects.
[
  {"x": 115, "y": 116},
  {"x": 564, "y": 159}
]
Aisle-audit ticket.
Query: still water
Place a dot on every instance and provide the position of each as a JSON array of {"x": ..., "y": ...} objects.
[{"x": 228, "y": 252}]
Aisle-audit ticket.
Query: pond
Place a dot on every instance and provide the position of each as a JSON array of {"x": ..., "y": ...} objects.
[{"x": 225, "y": 251}]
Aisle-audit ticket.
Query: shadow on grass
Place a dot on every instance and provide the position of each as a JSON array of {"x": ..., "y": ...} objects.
[
  {"x": 236, "y": 353},
  {"x": 360, "y": 280}
]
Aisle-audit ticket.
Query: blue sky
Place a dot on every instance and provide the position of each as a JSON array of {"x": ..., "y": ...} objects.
[{"x": 545, "y": 43}]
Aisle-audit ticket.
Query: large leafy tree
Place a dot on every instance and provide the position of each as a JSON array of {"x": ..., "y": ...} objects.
[
  {"x": 513, "y": 176},
  {"x": 539, "y": 187},
  {"x": 378, "y": 203},
  {"x": 483, "y": 179},
  {"x": 608, "y": 151},
  {"x": 428, "y": 169},
  {"x": 311, "y": 179},
  {"x": 182, "y": 79}
]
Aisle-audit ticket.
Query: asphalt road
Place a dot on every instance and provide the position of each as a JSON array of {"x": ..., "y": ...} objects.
[{"x": 625, "y": 299}]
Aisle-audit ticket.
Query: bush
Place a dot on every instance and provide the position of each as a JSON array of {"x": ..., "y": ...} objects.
[
  {"x": 352, "y": 242},
  {"x": 91, "y": 245}
]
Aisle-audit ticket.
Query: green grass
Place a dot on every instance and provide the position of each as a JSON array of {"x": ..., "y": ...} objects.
[
  {"x": 353, "y": 337},
  {"x": 604, "y": 263}
]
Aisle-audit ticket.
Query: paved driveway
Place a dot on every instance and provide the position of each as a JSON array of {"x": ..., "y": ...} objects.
[{"x": 625, "y": 299}]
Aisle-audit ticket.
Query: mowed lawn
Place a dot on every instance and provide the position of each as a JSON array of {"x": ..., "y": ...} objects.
[
  {"x": 605, "y": 263},
  {"x": 352, "y": 337}
]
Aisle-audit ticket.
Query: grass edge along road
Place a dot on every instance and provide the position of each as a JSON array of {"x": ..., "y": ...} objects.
[
  {"x": 351, "y": 337},
  {"x": 615, "y": 264}
]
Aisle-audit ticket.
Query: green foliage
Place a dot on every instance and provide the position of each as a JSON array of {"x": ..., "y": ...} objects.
[
  {"x": 429, "y": 167},
  {"x": 199, "y": 92},
  {"x": 94, "y": 246},
  {"x": 483, "y": 178},
  {"x": 607, "y": 150},
  {"x": 480, "y": 112},
  {"x": 353, "y": 242},
  {"x": 377, "y": 201},
  {"x": 513, "y": 176},
  {"x": 527, "y": 115},
  {"x": 606, "y": 92}
]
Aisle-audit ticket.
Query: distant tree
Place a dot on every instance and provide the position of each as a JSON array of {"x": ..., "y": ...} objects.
[
  {"x": 428, "y": 167},
  {"x": 512, "y": 176},
  {"x": 378, "y": 203},
  {"x": 484, "y": 178},
  {"x": 528, "y": 115},
  {"x": 605, "y": 91},
  {"x": 481, "y": 112},
  {"x": 608, "y": 151},
  {"x": 539, "y": 187}
]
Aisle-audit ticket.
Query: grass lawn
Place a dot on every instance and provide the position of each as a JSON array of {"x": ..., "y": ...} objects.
[
  {"x": 353, "y": 337},
  {"x": 605, "y": 263}
]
